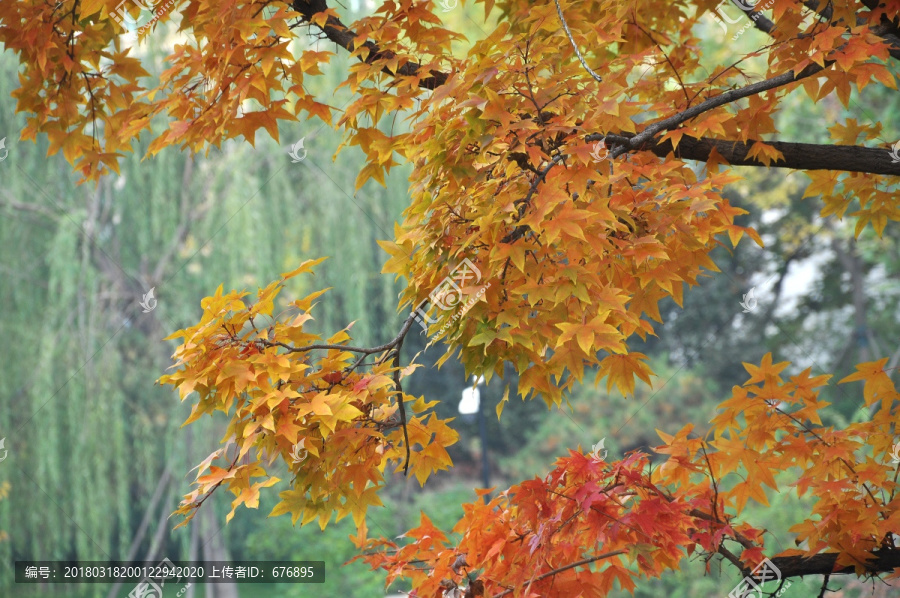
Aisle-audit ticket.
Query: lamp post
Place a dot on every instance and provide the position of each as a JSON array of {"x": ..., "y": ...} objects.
[{"x": 469, "y": 406}]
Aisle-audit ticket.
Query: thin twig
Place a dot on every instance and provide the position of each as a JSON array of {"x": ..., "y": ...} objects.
[
  {"x": 574, "y": 45},
  {"x": 720, "y": 100},
  {"x": 399, "y": 389},
  {"x": 520, "y": 230},
  {"x": 587, "y": 561},
  {"x": 367, "y": 351}
]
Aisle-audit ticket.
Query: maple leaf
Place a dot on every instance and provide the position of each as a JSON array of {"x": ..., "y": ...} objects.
[{"x": 622, "y": 369}]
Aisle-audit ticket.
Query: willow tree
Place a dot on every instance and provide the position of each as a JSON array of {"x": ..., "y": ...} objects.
[{"x": 567, "y": 176}]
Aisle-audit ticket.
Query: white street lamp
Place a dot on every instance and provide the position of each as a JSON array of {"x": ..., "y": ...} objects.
[
  {"x": 471, "y": 398},
  {"x": 469, "y": 406}
]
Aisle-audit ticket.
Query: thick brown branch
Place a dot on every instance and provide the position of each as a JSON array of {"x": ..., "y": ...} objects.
[
  {"x": 760, "y": 21},
  {"x": 797, "y": 156},
  {"x": 337, "y": 32},
  {"x": 883, "y": 561}
]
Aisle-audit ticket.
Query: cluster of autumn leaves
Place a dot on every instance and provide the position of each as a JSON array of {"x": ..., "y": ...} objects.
[
  {"x": 587, "y": 524},
  {"x": 281, "y": 391}
]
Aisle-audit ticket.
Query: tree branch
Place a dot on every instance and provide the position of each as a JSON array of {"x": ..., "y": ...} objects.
[
  {"x": 574, "y": 45},
  {"x": 760, "y": 21},
  {"x": 883, "y": 561},
  {"x": 797, "y": 156},
  {"x": 520, "y": 230},
  {"x": 727, "y": 97},
  {"x": 34, "y": 208},
  {"x": 364, "y": 350},
  {"x": 886, "y": 30},
  {"x": 399, "y": 389},
  {"x": 587, "y": 561},
  {"x": 337, "y": 32}
]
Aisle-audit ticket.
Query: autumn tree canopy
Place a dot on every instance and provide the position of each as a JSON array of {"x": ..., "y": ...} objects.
[{"x": 567, "y": 177}]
